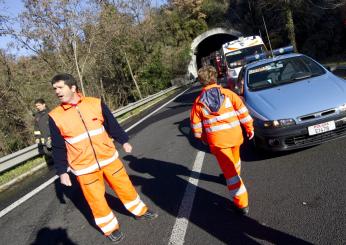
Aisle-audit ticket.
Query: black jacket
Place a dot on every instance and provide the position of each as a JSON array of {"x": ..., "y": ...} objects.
[{"x": 41, "y": 127}]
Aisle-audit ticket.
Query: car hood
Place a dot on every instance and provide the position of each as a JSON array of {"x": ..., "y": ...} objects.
[{"x": 297, "y": 99}]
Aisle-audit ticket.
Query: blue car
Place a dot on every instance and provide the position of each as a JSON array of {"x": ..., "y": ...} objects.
[{"x": 295, "y": 101}]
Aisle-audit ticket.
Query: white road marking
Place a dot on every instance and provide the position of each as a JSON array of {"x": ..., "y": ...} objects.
[
  {"x": 48, "y": 182},
  {"x": 182, "y": 220},
  {"x": 27, "y": 196},
  {"x": 134, "y": 125}
]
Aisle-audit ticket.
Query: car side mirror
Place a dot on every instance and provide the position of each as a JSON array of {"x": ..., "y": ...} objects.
[
  {"x": 239, "y": 90},
  {"x": 328, "y": 68}
]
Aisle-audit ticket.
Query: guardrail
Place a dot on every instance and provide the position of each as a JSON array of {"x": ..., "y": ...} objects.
[{"x": 16, "y": 158}]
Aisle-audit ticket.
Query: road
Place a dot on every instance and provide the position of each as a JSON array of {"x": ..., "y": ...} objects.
[{"x": 295, "y": 198}]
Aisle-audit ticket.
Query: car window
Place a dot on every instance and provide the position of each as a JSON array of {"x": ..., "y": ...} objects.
[
  {"x": 277, "y": 73},
  {"x": 287, "y": 72},
  {"x": 239, "y": 85},
  {"x": 236, "y": 58}
]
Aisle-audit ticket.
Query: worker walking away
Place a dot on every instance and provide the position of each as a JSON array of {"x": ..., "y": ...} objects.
[
  {"x": 41, "y": 129},
  {"x": 82, "y": 129},
  {"x": 216, "y": 118}
]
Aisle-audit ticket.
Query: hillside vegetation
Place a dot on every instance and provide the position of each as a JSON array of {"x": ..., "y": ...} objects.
[{"x": 109, "y": 46}]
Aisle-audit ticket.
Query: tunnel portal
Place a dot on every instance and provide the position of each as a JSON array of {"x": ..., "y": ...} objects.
[
  {"x": 211, "y": 44},
  {"x": 208, "y": 42}
]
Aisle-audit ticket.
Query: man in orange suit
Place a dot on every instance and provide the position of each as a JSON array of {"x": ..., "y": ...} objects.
[
  {"x": 82, "y": 129},
  {"x": 216, "y": 118}
]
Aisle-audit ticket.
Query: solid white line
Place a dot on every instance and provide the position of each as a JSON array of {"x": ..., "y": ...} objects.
[
  {"x": 134, "y": 125},
  {"x": 182, "y": 221},
  {"x": 41, "y": 187},
  {"x": 27, "y": 196}
]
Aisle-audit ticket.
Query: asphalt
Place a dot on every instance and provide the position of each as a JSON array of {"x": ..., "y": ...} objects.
[{"x": 295, "y": 198}]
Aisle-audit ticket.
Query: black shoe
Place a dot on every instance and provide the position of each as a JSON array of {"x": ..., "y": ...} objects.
[
  {"x": 242, "y": 211},
  {"x": 149, "y": 215},
  {"x": 116, "y": 236}
]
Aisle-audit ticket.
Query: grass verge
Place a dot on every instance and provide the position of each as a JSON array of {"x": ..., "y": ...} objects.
[{"x": 19, "y": 170}]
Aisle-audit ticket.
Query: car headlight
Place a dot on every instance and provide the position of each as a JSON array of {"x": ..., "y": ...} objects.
[
  {"x": 342, "y": 108},
  {"x": 278, "y": 123}
]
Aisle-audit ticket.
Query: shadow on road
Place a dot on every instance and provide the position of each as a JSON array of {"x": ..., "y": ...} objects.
[
  {"x": 248, "y": 152},
  {"x": 211, "y": 211},
  {"x": 48, "y": 236},
  {"x": 75, "y": 195}
]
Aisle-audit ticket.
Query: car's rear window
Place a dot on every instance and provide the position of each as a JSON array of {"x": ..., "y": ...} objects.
[{"x": 283, "y": 71}]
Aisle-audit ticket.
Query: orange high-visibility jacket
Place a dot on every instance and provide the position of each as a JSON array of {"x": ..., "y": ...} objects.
[
  {"x": 216, "y": 117},
  {"x": 87, "y": 143}
]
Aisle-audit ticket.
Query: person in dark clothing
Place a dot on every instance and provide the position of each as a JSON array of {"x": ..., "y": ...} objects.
[{"x": 41, "y": 128}]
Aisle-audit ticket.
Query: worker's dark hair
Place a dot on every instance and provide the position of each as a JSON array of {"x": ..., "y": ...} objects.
[
  {"x": 39, "y": 101},
  {"x": 67, "y": 78}
]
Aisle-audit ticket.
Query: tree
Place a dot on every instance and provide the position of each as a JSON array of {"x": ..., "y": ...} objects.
[
  {"x": 62, "y": 33},
  {"x": 289, "y": 7},
  {"x": 15, "y": 124}
]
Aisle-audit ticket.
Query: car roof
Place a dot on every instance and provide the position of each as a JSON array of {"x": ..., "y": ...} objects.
[{"x": 269, "y": 60}]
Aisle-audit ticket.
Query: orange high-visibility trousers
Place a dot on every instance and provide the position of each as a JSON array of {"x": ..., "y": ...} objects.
[
  {"x": 93, "y": 188},
  {"x": 230, "y": 164}
]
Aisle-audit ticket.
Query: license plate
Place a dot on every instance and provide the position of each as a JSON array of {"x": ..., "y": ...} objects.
[{"x": 321, "y": 128}]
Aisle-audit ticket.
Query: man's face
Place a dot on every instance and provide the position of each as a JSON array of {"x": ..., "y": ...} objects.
[
  {"x": 65, "y": 93},
  {"x": 40, "y": 107}
]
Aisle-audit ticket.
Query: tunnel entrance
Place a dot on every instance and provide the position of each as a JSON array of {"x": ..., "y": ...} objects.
[
  {"x": 211, "y": 44},
  {"x": 206, "y": 43}
]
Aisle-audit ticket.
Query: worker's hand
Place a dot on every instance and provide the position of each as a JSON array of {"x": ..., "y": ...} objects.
[
  {"x": 250, "y": 135},
  {"x": 65, "y": 179},
  {"x": 49, "y": 143},
  {"x": 127, "y": 147},
  {"x": 37, "y": 141}
]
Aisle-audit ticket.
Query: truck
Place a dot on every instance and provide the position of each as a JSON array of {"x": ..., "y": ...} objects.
[{"x": 234, "y": 53}]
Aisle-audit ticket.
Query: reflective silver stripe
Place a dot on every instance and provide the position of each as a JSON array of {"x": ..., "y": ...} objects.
[
  {"x": 237, "y": 165},
  {"x": 198, "y": 135},
  {"x": 228, "y": 103},
  {"x": 242, "y": 110},
  {"x": 111, "y": 226},
  {"x": 104, "y": 219},
  {"x": 196, "y": 125},
  {"x": 246, "y": 119},
  {"x": 206, "y": 112},
  {"x": 222, "y": 127},
  {"x": 219, "y": 118},
  {"x": 95, "y": 166},
  {"x": 132, "y": 203},
  {"x": 238, "y": 191},
  {"x": 138, "y": 209},
  {"x": 85, "y": 135},
  {"x": 233, "y": 180},
  {"x": 37, "y": 132}
]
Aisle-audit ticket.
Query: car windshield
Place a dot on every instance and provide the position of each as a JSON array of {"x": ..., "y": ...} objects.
[
  {"x": 277, "y": 73},
  {"x": 236, "y": 58}
]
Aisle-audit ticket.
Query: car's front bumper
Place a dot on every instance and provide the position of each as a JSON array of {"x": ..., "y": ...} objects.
[{"x": 297, "y": 136}]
